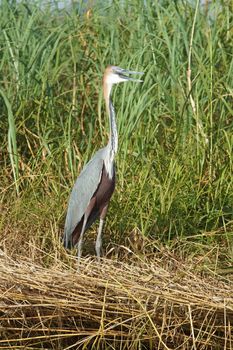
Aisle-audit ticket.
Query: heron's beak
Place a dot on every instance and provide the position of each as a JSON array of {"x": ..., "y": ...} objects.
[{"x": 122, "y": 73}]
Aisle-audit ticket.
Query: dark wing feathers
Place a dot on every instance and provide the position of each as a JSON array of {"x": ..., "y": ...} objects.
[{"x": 82, "y": 192}]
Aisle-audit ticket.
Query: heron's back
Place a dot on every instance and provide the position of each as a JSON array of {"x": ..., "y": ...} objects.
[
  {"x": 83, "y": 190},
  {"x": 100, "y": 199}
]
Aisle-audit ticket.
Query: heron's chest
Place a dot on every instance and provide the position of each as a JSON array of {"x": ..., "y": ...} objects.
[
  {"x": 109, "y": 165},
  {"x": 106, "y": 188}
]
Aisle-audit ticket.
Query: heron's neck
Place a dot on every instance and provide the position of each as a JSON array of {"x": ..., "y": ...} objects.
[{"x": 113, "y": 137}]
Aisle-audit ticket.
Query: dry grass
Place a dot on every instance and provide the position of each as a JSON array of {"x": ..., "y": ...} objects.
[{"x": 153, "y": 303}]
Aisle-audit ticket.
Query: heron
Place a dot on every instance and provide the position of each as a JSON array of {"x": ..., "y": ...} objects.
[{"x": 91, "y": 193}]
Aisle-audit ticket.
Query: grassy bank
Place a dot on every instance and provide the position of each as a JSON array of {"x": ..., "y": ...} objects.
[
  {"x": 158, "y": 303},
  {"x": 174, "y": 165}
]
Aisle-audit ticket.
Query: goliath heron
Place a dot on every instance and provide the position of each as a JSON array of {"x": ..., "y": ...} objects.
[{"x": 94, "y": 187}]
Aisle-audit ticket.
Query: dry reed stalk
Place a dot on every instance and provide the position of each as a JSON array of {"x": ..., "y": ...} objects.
[{"x": 113, "y": 304}]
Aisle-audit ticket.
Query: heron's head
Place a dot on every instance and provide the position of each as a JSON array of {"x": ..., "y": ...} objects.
[{"x": 115, "y": 75}]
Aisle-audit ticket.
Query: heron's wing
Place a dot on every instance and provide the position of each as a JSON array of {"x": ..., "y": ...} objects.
[{"x": 82, "y": 192}]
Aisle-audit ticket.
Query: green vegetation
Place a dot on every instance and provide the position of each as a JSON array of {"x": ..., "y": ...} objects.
[{"x": 175, "y": 159}]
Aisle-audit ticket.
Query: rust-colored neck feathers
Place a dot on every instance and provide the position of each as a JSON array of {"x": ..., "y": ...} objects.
[
  {"x": 107, "y": 86},
  {"x": 113, "y": 137}
]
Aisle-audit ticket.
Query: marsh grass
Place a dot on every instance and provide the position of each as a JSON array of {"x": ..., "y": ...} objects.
[
  {"x": 133, "y": 305},
  {"x": 53, "y": 113},
  {"x": 174, "y": 165}
]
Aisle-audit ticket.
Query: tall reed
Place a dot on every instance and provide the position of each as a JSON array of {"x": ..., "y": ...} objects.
[{"x": 175, "y": 156}]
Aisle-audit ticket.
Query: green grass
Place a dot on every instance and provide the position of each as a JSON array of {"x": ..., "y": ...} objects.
[{"x": 174, "y": 165}]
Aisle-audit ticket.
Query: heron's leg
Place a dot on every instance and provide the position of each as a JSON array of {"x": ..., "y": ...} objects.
[
  {"x": 98, "y": 244},
  {"x": 85, "y": 218},
  {"x": 80, "y": 241}
]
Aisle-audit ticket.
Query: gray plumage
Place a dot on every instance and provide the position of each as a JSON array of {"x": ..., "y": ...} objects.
[{"x": 85, "y": 186}]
